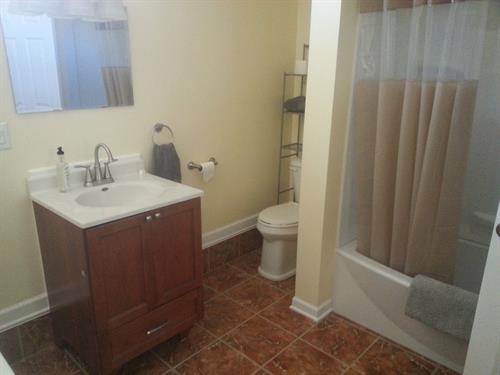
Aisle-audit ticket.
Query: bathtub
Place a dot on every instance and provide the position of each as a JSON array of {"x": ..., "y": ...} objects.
[{"x": 374, "y": 296}]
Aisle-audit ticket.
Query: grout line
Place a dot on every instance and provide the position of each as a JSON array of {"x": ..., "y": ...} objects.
[
  {"x": 75, "y": 362},
  {"x": 19, "y": 342},
  {"x": 153, "y": 351},
  {"x": 338, "y": 359},
  {"x": 289, "y": 345},
  {"x": 218, "y": 338},
  {"x": 194, "y": 353},
  {"x": 215, "y": 339},
  {"x": 286, "y": 293},
  {"x": 258, "y": 365},
  {"x": 281, "y": 351},
  {"x": 362, "y": 354},
  {"x": 277, "y": 325},
  {"x": 324, "y": 352},
  {"x": 221, "y": 338}
]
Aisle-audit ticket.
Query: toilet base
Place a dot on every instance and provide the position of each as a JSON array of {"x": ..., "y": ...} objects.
[
  {"x": 278, "y": 260},
  {"x": 272, "y": 277}
]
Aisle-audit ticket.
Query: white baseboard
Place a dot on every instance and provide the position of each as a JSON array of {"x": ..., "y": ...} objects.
[
  {"x": 24, "y": 311},
  {"x": 315, "y": 313},
  {"x": 39, "y": 305},
  {"x": 231, "y": 230}
]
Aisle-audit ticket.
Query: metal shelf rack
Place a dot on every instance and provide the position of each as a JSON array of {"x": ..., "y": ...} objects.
[{"x": 287, "y": 149}]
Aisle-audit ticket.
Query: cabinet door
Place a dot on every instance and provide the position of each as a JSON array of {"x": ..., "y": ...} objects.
[
  {"x": 175, "y": 244},
  {"x": 118, "y": 260}
]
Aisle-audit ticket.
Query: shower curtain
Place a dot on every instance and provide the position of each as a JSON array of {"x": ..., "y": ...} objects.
[{"x": 418, "y": 65}]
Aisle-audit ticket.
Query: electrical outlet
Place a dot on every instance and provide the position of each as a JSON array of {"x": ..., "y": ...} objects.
[{"x": 4, "y": 136}]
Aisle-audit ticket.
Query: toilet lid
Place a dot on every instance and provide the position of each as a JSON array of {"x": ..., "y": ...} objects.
[{"x": 286, "y": 214}]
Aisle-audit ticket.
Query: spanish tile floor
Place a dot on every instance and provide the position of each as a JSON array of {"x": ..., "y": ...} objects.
[{"x": 248, "y": 329}]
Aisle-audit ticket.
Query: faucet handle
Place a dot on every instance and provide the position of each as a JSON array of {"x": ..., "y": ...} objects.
[
  {"x": 107, "y": 171},
  {"x": 88, "y": 175}
]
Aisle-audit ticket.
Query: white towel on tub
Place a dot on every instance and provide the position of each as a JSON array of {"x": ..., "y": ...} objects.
[{"x": 4, "y": 367}]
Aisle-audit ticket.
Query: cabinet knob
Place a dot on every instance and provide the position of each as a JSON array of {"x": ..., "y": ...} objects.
[
  {"x": 157, "y": 215},
  {"x": 83, "y": 273},
  {"x": 149, "y": 218}
]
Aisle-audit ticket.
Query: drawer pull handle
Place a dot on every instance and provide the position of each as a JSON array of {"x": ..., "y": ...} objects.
[
  {"x": 150, "y": 332},
  {"x": 149, "y": 218},
  {"x": 157, "y": 215}
]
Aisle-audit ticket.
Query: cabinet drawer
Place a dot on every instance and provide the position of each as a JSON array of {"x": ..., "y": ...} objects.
[{"x": 147, "y": 331}]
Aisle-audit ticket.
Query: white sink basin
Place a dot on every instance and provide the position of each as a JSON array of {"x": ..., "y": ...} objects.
[
  {"x": 133, "y": 192},
  {"x": 119, "y": 195}
]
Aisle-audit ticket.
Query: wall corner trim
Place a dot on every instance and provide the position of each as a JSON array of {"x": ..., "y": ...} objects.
[
  {"x": 315, "y": 313},
  {"x": 37, "y": 306}
]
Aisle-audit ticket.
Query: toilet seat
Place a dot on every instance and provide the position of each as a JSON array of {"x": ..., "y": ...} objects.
[{"x": 284, "y": 215}]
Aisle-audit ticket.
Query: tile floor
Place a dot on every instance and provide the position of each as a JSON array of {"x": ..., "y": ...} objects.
[{"x": 248, "y": 329}]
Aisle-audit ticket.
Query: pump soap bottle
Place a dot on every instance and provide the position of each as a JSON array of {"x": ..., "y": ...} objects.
[{"x": 62, "y": 171}]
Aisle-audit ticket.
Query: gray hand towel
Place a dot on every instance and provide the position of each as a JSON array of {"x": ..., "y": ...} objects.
[
  {"x": 444, "y": 307},
  {"x": 297, "y": 104},
  {"x": 166, "y": 162}
]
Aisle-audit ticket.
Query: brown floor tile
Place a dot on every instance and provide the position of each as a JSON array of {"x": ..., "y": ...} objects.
[
  {"x": 250, "y": 241},
  {"x": 389, "y": 359},
  {"x": 206, "y": 261},
  {"x": 178, "y": 348},
  {"x": 222, "y": 315},
  {"x": 224, "y": 278},
  {"x": 258, "y": 339},
  {"x": 208, "y": 293},
  {"x": 10, "y": 345},
  {"x": 281, "y": 314},
  {"x": 224, "y": 252},
  {"x": 248, "y": 262},
  {"x": 217, "y": 359},
  {"x": 287, "y": 285},
  {"x": 351, "y": 372},
  {"x": 255, "y": 294},
  {"x": 261, "y": 372},
  {"x": 49, "y": 361},
  {"x": 341, "y": 339},
  {"x": 445, "y": 371},
  {"x": 146, "y": 364},
  {"x": 36, "y": 334},
  {"x": 301, "y": 358}
]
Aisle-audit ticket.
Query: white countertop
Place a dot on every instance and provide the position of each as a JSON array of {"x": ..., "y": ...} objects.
[{"x": 128, "y": 171}]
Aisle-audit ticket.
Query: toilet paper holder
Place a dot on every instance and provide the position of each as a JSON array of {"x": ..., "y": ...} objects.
[{"x": 193, "y": 165}]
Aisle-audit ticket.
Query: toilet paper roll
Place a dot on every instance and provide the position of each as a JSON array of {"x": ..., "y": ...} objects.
[
  {"x": 207, "y": 170},
  {"x": 300, "y": 67}
]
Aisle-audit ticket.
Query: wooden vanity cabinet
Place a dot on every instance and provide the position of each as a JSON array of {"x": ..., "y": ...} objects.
[{"x": 118, "y": 289}]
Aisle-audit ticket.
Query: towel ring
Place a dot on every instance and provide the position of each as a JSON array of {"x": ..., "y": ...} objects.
[{"x": 158, "y": 128}]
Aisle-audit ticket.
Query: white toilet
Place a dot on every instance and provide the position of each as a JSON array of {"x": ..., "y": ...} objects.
[{"x": 279, "y": 226}]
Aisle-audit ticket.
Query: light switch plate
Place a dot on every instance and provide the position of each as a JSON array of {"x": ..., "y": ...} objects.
[{"x": 4, "y": 136}]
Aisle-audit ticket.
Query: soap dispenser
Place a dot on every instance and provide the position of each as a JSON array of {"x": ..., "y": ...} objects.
[{"x": 62, "y": 171}]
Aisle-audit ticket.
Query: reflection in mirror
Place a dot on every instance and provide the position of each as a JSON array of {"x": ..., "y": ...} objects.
[{"x": 61, "y": 61}]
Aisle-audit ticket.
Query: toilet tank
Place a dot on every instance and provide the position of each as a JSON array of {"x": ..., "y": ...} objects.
[{"x": 295, "y": 165}]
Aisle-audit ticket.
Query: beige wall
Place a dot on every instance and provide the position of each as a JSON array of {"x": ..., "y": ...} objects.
[
  {"x": 331, "y": 61},
  {"x": 212, "y": 70},
  {"x": 303, "y": 26}
]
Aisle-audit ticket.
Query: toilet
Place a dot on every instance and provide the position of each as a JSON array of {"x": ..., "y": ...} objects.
[{"x": 279, "y": 226}]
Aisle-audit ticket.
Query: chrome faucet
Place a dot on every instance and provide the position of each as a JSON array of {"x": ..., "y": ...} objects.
[
  {"x": 101, "y": 177},
  {"x": 98, "y": 176}
]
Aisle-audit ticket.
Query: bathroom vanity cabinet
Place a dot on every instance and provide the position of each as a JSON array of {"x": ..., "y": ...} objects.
[{"x": 120, "y": 288}]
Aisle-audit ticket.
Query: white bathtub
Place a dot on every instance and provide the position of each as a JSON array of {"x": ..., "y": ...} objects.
[{"x": 374, "y": 296}]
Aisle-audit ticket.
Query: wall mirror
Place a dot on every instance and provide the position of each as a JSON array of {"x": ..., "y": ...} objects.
[{"x": 67, "y": 54}]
